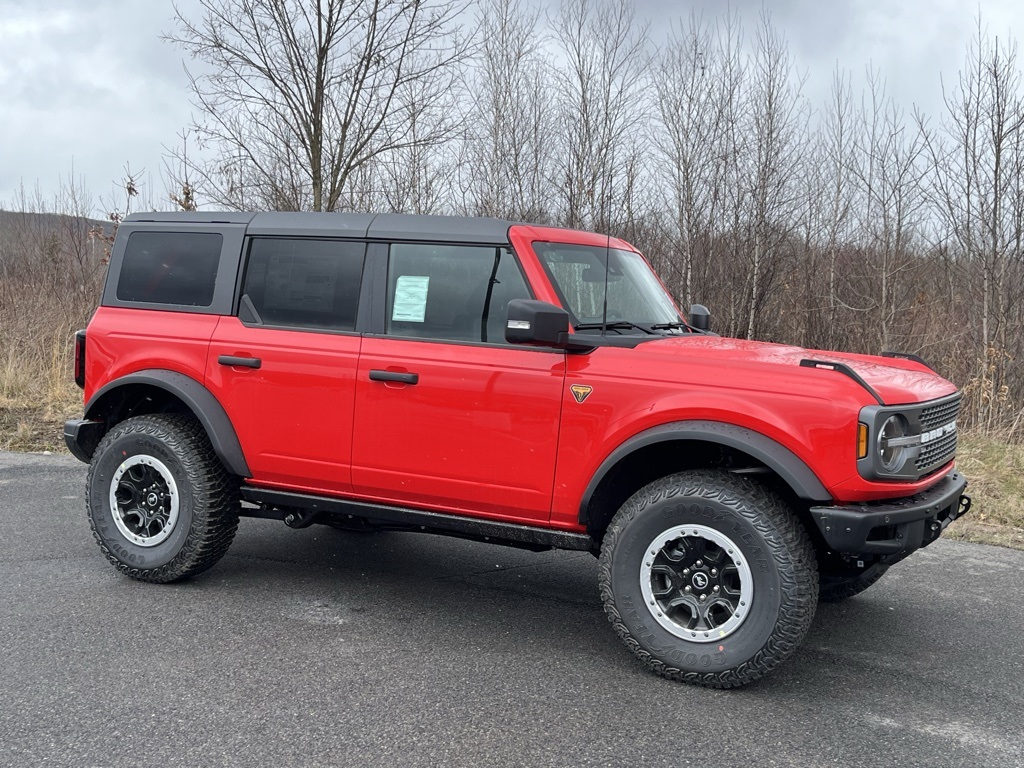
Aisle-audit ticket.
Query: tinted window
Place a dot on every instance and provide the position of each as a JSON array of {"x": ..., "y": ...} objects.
[
  {"x": 170, "y": 268},
  {"x": 307, "y": 283},
  {"x": 452, "y": 292}
]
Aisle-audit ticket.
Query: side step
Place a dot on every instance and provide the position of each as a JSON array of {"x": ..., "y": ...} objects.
[{"x": 299, "y": 510}]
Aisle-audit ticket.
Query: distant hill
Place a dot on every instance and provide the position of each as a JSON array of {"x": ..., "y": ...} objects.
[{"x": 19, "y": 220}]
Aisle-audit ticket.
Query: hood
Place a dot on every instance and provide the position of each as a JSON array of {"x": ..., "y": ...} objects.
[{"x": 896, "y": 381}]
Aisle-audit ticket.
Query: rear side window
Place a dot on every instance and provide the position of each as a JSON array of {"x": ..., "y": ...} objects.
[
  {"x": 170, "y": 268},
  {"x": 304, "y": 283}
]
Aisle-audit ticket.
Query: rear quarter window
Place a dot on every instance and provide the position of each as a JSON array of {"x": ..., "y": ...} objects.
[{"x": 170, "y": 268}]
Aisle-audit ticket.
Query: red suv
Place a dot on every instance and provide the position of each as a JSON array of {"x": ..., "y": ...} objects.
[{"x": 523, "y": 385}]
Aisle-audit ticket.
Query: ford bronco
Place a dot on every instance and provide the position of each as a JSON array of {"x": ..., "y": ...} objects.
[{"x": 503, "y": 382}]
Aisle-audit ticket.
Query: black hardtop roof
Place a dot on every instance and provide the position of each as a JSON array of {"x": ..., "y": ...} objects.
[{"x": 374, "y": 226}]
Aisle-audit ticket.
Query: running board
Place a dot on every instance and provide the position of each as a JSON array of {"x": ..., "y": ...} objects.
[{"x": 301, "y": 509}]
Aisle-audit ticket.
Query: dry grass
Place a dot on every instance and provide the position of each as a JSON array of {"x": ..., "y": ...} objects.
[
  {"x": 34, "y": 428},
  {"x": 995, "y": 468},
  {"x": 37, "y": 394},
  {"x": 51, "y": 270},
  {"x": 37, "y": 390}
]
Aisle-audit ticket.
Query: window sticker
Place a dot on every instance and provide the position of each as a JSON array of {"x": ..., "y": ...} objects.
[{"x": 410, "y": 299}]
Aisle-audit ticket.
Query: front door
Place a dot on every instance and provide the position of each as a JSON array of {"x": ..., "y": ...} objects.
[{"x": 448, "y": 415}]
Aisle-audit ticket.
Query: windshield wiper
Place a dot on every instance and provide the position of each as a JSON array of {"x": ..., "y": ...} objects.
[
  {"x": 616, "y": 325},
  {"x": 669, "y": 326}
]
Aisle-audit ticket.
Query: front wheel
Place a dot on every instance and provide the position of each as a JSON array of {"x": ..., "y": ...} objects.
[
  {"x": 708, "y": 578},
  {"x": 160, "y": 503}
]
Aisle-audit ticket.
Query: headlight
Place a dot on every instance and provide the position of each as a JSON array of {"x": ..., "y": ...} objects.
[{"x": 892, "y": 442}]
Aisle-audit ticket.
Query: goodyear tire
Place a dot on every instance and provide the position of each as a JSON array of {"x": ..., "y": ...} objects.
[
  {"x": 160, "y": 504},
  {"x": 836, "y": 590},
  {"x": 708, "y": 578}
]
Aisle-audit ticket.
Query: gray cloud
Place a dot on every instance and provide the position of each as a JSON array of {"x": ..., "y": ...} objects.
[
  {"x": 914, "y": 44},
  {"x": 88, "y": 83}
]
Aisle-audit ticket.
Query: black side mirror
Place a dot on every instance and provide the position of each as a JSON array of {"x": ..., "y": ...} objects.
[
  {"x": 537, "y": 323},
  {"x": 700, "y": 317}
]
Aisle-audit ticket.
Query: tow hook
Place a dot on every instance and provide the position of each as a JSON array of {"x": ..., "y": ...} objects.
[{"x": 965, "y": 506}]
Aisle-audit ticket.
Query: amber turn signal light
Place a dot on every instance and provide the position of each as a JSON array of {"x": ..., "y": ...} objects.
[{"x": 862, "y": 441}]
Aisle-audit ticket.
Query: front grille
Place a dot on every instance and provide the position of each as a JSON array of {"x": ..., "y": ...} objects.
[
  {"x": 942, "y": 449},
  {"x": 936, "y": 453},
  {"x": 941, "y": 413}
]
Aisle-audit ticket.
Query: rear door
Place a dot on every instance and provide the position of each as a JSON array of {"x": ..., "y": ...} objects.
[
  {"x": 284, "y": 366},
  {"x": 448, "y": 415}
]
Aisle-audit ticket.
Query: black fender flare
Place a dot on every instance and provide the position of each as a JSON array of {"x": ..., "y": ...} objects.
[
  {"x": 197, "y": 398},
  {"x": 778, "y": 458}
]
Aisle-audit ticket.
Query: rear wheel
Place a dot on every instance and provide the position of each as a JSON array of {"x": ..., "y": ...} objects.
[
  {"x": 160, "y": 504},
  {"x": 708, "y": 578}
]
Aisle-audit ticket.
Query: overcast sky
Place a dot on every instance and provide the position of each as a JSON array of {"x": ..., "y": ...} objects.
[{"x": 89, "y": 85}]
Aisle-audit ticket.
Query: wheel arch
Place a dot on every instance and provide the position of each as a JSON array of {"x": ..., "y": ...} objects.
[
  {"x": 161, "y": 391},
  {"x": 668, "y": 448}
]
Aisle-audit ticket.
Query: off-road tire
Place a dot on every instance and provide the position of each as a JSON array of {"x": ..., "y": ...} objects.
[
  {"x": 838, "y": 590},
  {"x": 207, "y": 498},
  {"x": 767, "y": 536}
]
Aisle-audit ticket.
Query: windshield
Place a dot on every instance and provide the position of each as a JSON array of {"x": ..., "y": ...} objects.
[{"x": 635, "y": 295}]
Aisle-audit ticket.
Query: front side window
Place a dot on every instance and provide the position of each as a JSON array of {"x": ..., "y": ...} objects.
[
  {"x": 303, "y": 282},
  {"x": 452, "y": 292},
  {"x": 582, "y": 273},
  {"x": 170, "y": 268}
]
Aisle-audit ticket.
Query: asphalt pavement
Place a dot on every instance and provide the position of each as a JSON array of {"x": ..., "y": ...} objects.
[{"x": 325, "y": 648}]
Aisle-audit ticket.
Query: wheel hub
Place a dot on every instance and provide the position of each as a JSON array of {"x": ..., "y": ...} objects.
[
  {"x": 144, "y": 500},
  {"x": 696, "y": 584}
]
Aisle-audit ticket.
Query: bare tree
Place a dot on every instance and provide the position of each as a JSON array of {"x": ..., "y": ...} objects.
[
  {"x": 601, "y": 93},
  {"x": 728, "y": 250},
  {"x": 510, "y": 139},
  {"x": 889, "y": 210},
  {"x": 296, "y": 96},
  {"x": 776, "y": 113},
  {"x": 177, "y": 175},
  {"x": 689, "y": 139},
  {"x": 977, "y": 162},
  {"x": 839, "y": 165},
  {"x": 417, "y": 177}
]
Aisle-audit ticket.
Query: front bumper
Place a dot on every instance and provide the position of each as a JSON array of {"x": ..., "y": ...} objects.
[{"x": 894, "y": 529}]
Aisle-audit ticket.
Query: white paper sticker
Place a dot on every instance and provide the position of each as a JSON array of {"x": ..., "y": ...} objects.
[{"x": 410, "y": 299}]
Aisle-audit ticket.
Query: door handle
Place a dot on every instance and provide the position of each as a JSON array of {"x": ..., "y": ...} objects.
[
  {"x": 244, "y": 362},
  {"x": 404, "y": 378}
]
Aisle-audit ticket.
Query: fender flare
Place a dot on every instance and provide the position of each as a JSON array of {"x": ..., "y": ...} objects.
[
  {"x": 777, "y": 457},
  {"x": 197, "y": 398}
]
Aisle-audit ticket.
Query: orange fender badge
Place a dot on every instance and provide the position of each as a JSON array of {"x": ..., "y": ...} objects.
[{"x": 581, "y": 392}]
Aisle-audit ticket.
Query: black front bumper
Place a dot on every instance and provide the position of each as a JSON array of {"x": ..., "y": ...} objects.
[
  {"x": 894, "y": 529},
  {"x": 82, "y": 436}
]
